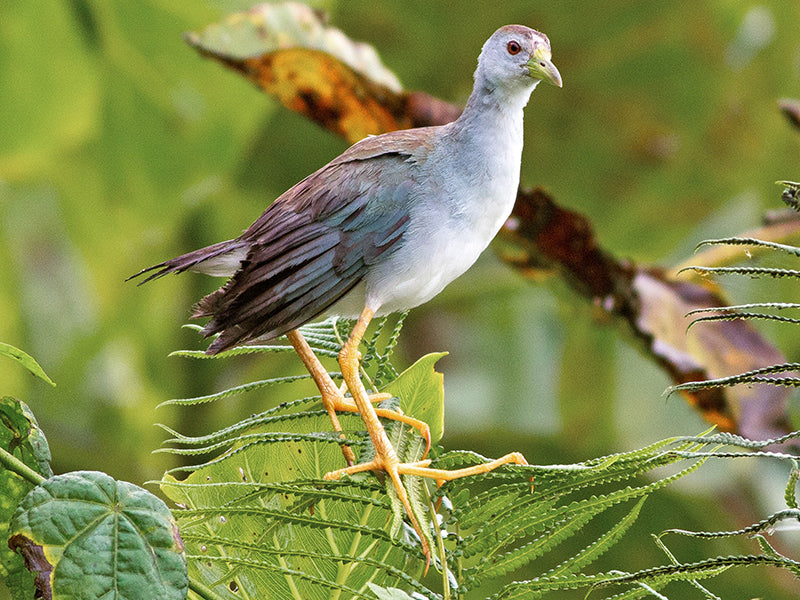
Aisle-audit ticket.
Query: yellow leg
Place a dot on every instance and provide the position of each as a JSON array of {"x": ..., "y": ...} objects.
[
  {"x": 330, "y": 393},
  {"x": 386, "y": 458},
  {"x": 333, "y": 398}
]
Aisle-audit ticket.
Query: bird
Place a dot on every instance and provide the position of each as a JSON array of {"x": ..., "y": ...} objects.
[{"x": 382, "y": 228}]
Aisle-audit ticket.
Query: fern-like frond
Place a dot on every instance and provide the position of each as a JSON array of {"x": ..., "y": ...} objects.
[
  {"x": 257, "y": 514},
  {"x": 598, "y": 547},
  {"x": 735, "y": 316},
  {"x": 744, "y": 307},
  {"x": 740, "y": 241},
  {"x": 749, "y": 271},
  {"x": 762, "y": 375},
  {"x": 239, "y": 389},
  {"x": 745, "y": 312},
  {"x": 260, "y": 514},
  {"x": 764, "y": 525},
  {"x": 258, "y": 518},
  {"x": 700, "y": 569}
]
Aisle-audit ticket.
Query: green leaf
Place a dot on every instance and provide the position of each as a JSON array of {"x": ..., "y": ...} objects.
[
  {"x": 600, "y": 545},
  {"x": 421, "y": 392},
  {"x": 790, "y": 493},
  {"x": 89, "y": 536},
  {"x": 260, "y": 516},
  {"x": 751, "y": 242},
  {"x": 26, "y": 360},
  {"x": 21, "y": 437}
]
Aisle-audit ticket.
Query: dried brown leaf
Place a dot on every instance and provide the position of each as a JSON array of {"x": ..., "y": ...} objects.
[{"x": 311, "y": 68}]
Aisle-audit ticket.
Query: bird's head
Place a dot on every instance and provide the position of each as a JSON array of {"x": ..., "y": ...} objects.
[{"x": 516, "y": 55}]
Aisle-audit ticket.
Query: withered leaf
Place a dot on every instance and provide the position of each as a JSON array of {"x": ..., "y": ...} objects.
[
  {"x": 652, "y": 305},
  {"x": 314, "y": 69}
]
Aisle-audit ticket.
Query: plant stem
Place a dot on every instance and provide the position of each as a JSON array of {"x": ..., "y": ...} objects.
[
  {"x": 202, "y": 591},
  {"x": 440, "y": 545},
  {"x": 15, "y": 465}
]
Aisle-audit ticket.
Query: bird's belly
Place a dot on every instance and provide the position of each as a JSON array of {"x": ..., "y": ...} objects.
[{"x": 418, "y": 272}]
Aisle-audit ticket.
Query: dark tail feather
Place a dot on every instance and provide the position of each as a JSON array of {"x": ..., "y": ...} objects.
[
  {"x": 209, "y": 305},
  {"x": 187, "y": 261}
]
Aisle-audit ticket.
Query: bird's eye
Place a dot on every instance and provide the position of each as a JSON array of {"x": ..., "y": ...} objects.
[{"x": 513, "y": 47}]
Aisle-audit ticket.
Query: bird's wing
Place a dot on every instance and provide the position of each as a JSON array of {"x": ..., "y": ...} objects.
[{"x": 317, "y": 241}]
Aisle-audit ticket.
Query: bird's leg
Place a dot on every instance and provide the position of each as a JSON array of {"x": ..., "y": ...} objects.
[
  {"x": 386, "y": 458},
  {"x": 333, "y": 397}
]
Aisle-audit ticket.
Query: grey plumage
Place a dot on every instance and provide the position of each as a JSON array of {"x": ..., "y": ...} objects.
[{"x": 310, "y": 247}]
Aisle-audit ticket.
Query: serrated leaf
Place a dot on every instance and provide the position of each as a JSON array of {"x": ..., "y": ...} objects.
[
  {"x": 89, "y": 536},
  {"x": 748, "y": 241},
  {"x": 763, "y": 375},
  {"x": 749, "y": 271},
  {"x": 421, "y": 391},
  {"x": 21, "y": 437},
  {"x": 260, "y": 517},
  {"x": 26, "y": 360},
  {"x": 600, "y": 545}
]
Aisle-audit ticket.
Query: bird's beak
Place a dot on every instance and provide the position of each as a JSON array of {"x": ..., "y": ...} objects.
[{"x": 540, "y": 67}]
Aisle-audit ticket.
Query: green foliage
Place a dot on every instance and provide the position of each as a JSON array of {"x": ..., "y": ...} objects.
[
  {"x": 24, "y": 359},
  {"x": 119, "y": 128},
  {"x": 21, "y": 441},
  {"x": 258, "y": 517},
  {"x": 81, "y": 534},
  {"x": 780, "y": 374},
  {"x": 421, "y": 390},
  {"x": 90, "y": 536}
]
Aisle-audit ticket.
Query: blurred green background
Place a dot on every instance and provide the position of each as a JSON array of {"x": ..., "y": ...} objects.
[{"x": 121, "y": 147}]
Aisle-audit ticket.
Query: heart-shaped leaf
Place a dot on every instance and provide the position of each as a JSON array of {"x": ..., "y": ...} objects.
[{"x": 86, "y": 535}]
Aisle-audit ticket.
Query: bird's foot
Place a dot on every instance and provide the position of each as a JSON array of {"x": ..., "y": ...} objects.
[
  {"x": 337, "y": 403},
  {"x": 334, "y": 399},
  {"x": 386, "y": 460},
  {"x": 341, "y": 403},
  {"x": 422, "y": 468}
]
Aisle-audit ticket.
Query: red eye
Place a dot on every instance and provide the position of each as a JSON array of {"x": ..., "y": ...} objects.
[{"x": 513, "y": 47}]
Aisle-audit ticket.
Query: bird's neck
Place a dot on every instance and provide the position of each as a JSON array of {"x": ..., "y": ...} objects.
[{"x": 492, "y": 119}]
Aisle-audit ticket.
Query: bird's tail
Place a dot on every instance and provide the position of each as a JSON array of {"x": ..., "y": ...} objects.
[{"x": 220, "y": 259}]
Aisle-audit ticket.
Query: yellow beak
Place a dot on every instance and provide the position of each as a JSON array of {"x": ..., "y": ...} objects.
[{"x": 542, "y": 68}]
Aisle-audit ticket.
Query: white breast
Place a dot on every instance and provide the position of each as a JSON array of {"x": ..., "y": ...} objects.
[{"x": 466, "y": 202}]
